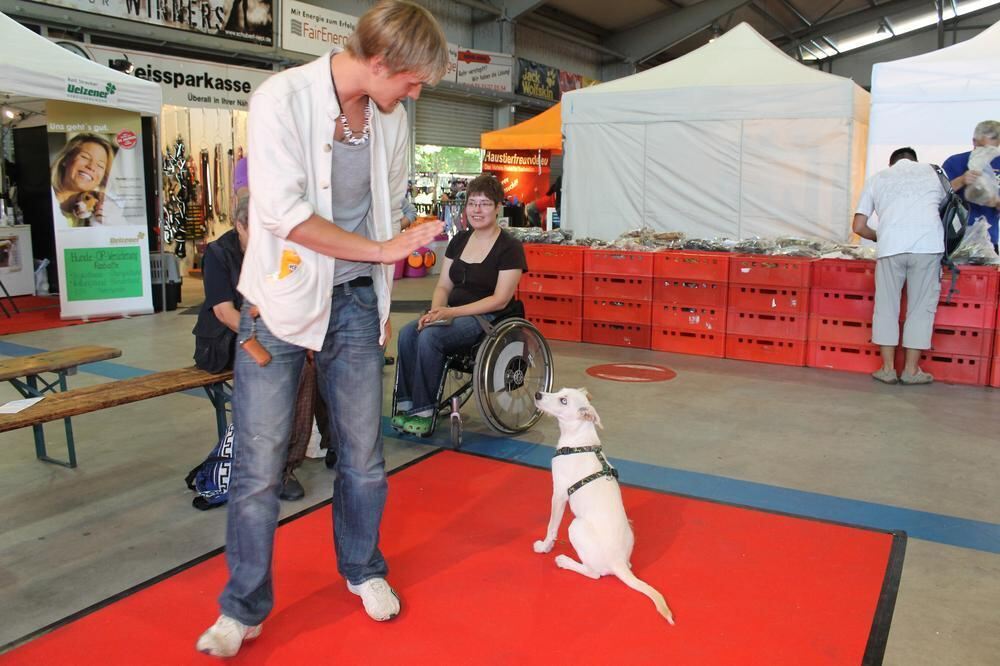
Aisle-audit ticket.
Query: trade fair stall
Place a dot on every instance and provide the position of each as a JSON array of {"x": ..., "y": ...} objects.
[
  {"x": 735, "y": 139},
  {"x": 93, "y": 115},
  {"x": 932, "y": 102}
]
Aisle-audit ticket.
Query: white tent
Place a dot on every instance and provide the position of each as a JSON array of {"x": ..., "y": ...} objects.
[
  {"x": 933, "y": 101},
  {"x": 35, "y": 68},
  {"x": 734, "y": 139}
]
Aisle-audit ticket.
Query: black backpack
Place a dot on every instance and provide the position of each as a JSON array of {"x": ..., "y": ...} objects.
[{"x": 954, "y": 220}]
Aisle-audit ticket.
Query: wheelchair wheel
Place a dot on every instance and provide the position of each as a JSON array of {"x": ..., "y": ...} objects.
[{"x": 511, "y": 365}]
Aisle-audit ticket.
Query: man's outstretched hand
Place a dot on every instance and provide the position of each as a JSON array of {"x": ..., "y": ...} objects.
[{"x": 415, "y": 237}]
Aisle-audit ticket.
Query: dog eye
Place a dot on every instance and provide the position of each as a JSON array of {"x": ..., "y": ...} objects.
[{"x": 563, "y": 401}]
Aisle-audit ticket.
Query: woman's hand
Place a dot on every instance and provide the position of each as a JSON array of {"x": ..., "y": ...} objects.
[{"x": 433, "y": 315}]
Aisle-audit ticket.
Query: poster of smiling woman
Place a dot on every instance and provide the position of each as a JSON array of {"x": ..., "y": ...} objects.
[{"x": 98, "y": 209}]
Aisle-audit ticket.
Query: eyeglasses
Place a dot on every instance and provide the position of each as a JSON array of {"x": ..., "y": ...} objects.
[{"x": 480, "y": 204}]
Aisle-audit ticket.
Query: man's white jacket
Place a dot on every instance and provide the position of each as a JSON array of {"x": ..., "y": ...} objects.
[{"x": 290, "y": 130}]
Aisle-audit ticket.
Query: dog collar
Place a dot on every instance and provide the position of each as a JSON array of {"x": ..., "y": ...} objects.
[{"x": 606, "y": 468}]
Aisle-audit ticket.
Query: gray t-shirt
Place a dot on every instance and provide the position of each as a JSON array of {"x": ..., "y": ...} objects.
[{"x": 351, "y": 191}]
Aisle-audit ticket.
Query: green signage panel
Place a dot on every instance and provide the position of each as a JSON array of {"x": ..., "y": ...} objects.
[{"x": 102, "y": 273}]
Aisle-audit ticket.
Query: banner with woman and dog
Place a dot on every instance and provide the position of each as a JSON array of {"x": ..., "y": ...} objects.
[{"x": 99, "y": 210}]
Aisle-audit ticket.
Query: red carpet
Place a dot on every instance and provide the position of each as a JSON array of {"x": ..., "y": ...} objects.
[
  {"x": 37, "y": 313},
  {"x": 746, "y": 587}
]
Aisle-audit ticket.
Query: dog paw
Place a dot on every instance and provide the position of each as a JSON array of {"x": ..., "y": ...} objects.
[{"x": 543, "y": 546}]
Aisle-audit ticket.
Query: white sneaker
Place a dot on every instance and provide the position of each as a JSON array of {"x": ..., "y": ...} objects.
[
  {"x": 380, "y": 600},
  {"x": 224, "y": 638}
]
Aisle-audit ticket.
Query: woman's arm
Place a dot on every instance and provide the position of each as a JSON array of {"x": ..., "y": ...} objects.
[{"x": 439, "y": 301}]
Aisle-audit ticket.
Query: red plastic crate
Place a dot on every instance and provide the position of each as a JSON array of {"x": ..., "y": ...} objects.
[
  {"x": 966, "y": 314},
  {"x": 767, "y": 324},
  {"x": 618, "y": 262},
  {"x": 699, "y": 343},
  {"x": 618, "y": 335},
  {"x": 619, "y": 310},
  {"x": 836, "y": 356},
  {"x": 545, "y": 305},
  {"x": 963, "y": 341},
  {"x": 956, "y": 368},
  {"x": 688, "y": 317},
  {"x": 618, "y": 286},
  {"x": 995, "y": 372},
  {"x": 688, "y": 292},
  {"x": 562, "y": 284},
  {"x": 844, "y": 304},
  {"x": 975, "y": 283},
  {"x": 770, "y": 271},
  {"x": 840, "y": 331},
  {"x": 710, "y": 266},
  {"x": 765, "y": 350},
  {"x": 849, "y": 274},
  {"x": 754, "y": 298},
  {"x": 547, "y": 258},
  {"x": 554, "y": 328}
]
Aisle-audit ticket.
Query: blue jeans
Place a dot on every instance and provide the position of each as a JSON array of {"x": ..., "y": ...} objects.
[
  {"x": 350, "y": 366},
  {"x": 420, "y": 362}
]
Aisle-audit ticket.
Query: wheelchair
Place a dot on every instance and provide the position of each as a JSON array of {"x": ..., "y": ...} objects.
[{"x": 504, "y": 370}]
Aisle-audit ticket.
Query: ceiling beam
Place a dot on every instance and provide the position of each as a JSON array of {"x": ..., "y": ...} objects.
[
  {"x": 514, "y": 8},
  {"x": 670, "y": 28},
  {"x": 871, "y": 16}
]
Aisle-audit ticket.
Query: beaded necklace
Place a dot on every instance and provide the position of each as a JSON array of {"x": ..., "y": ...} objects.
[{"x": 348, "y": 133}]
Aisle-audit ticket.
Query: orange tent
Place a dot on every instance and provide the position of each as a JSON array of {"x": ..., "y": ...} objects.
[{"x": 543, "y": 132}]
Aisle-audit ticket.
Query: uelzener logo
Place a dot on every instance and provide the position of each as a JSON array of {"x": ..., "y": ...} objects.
[{"x": 87, "y": 91}]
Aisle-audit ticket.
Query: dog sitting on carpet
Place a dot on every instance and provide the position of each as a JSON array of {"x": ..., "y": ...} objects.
[{"x": 581, "y": 475}]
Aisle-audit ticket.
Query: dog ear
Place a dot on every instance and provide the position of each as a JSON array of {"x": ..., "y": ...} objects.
[
  {"x": 588, "y": 413},
  {"x": 585, "y": 393}
]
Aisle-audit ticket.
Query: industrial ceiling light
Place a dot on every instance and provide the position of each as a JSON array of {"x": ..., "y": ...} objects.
[{"x": 123, "y": 65}]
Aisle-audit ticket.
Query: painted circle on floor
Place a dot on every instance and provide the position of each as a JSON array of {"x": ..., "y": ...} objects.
[{"x": 631, "y": 372}]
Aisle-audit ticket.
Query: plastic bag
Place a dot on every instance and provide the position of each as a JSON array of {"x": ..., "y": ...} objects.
[
  {"x": 41, "y": 277},
  {"x": 984, "y": 190},
  {"x": 976, "y": 247}
]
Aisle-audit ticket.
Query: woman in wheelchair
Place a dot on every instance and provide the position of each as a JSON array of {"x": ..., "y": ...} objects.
[{"x": 482, "y": 267}]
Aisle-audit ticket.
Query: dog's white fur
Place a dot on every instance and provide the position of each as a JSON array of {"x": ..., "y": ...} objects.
[{"x": 600, "y": 531}]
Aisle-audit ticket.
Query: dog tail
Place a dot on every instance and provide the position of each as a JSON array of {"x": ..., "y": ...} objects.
[{"x": 625, "y": 575}]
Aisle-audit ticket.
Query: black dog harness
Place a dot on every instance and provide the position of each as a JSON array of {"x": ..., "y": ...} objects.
[{"x": 606, "y": 468}]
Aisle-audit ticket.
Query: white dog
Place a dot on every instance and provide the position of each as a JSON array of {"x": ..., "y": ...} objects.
[{"x": 581, "y": 475}]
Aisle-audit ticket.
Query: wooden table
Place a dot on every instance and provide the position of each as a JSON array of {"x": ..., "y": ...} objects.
[{"x": 61, "y": 362}]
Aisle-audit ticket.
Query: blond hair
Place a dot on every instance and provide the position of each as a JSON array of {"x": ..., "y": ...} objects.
[
  {"x": 407, "y": 37},
  {"x": 988, "y": 129}
]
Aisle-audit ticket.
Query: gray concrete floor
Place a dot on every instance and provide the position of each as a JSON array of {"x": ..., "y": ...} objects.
[{"x": 71, "y": 538}]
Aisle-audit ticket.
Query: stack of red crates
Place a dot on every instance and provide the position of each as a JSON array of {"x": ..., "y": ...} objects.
[
  {"x": 767, "y": 317},
  {"x": 843, "y": 300},
  {"x": 964, "y": 328},
  {"x": 840, "y": 316},
  {"x": 617, "y": 297},
  {"x": 552, "y": 289},
  {"x": 690, "y": 290}
]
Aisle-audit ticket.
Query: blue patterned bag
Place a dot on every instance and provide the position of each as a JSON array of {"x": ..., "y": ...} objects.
[{"x": 211, "y": 478}]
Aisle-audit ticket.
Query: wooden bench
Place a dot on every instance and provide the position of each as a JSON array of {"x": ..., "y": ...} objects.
[{"x": 65, "y": 403}]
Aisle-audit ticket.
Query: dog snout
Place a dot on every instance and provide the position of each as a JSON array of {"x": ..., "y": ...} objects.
[{"x": 538, "y": 395}]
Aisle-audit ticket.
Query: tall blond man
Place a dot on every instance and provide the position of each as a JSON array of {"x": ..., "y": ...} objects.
[{"x": 327, "y": 168}]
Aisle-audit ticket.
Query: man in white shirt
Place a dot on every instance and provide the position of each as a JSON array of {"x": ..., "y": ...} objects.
[
  {"x": 910, "y": 243},
  {"x": 327, "y": 170}
]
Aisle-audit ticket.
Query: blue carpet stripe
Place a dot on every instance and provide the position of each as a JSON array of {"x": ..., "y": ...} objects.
[{"x": 949, "y": 530}]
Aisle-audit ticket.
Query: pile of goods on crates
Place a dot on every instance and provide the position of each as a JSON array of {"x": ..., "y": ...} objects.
[{"x": 790, "y": 301}]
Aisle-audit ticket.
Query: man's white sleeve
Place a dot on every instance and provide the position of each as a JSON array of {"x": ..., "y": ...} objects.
[{"x": 276, "y": 166}]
